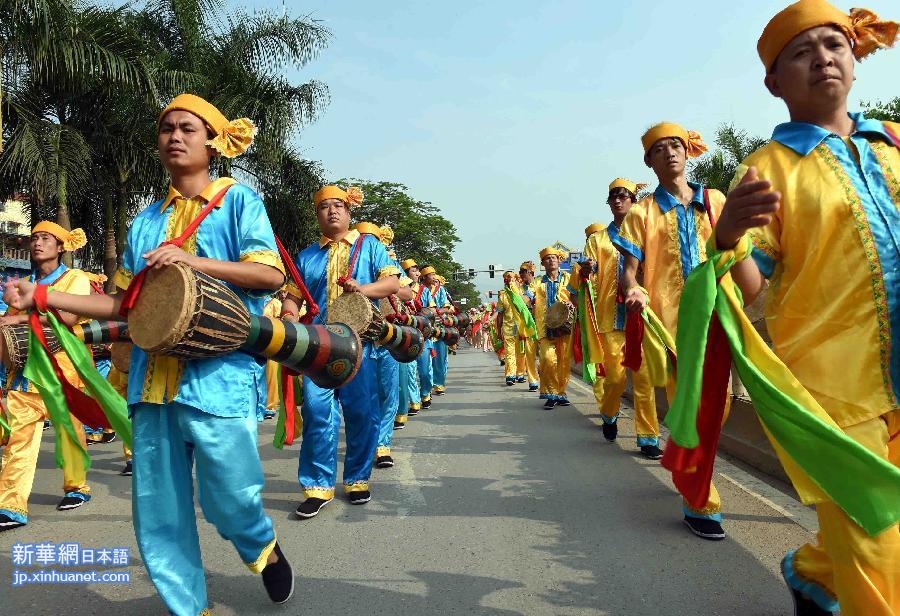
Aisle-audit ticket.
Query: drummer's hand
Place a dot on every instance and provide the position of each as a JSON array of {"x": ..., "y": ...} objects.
[
  {"x": 635, "y": 299},
  {"x": 167, "y": 255},
  {"x": 19, "y": 294},
  {"x": 351, "y": 286},
  {"x": 587, "y": 268}
]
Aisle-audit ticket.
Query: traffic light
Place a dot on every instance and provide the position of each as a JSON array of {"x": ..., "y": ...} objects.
[
  {"x": 491, "y": 271},
  {"x": 471, "y": 273},
  {"x": 491, "y": 293}
]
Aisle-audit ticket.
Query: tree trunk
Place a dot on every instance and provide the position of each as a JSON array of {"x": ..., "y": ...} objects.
[
  {"x": 110, "y": 260},
  {"x": 62, "y": 219},
  {"x": 121, "y": 216}
]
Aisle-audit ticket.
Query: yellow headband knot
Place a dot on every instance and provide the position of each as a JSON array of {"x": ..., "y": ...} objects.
[
  {"x": 528, "y": 266},
  {"x": 386, "y": 235},
  {"x": 693, "y": 142},
  {"x": 71, "y": 240},
  {"x": 866, "y": 32},
  {"x": 230, "y": 138}
]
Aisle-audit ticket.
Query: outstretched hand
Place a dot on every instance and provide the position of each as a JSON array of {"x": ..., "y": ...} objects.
[
  {"x": 168, "y": 254},
  {"x": 752, "y": 203}
]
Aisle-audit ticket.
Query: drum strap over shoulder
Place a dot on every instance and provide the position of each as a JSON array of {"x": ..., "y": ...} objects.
[
  {"x": 312, "y": 308},
  {"x": 134, "y": 289}
]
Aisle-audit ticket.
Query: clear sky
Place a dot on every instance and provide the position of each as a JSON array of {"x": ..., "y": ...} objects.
[{"x": 514, "y": 116}]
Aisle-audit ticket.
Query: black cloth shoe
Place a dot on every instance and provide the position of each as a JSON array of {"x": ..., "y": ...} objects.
[
  {"x": 70, "y": 502},
  {"x": 610, "y": 431},
  {"x": 360, "y": 497},
  {"x": 384, "y": 462},
  {"x": 704, "y": 528},
  {"x": 46, "y": 424},
  {"x": 7, "y": 523},
  {"x": 412, "y": 412},
  {"x": 533, "y": 388},
  {"x": 651, "y": 452},
  {"x": 563, "y": 402},
  {"x": 520, "y": 379},
  {"x": 549, "y": 404},
  {"x": 426, "y": 404},
  {"x": 278, "y": 578},
  {"x": 398, "y": 425},
  {"x": 108, "y": 437},
  {"x": 804, "y": 606},
  {"x": 510, "y": 382},
  {"x": 439, "y": 392},
  {"x": 127, "y": 470},
  {"x": 311, "y": 507}
]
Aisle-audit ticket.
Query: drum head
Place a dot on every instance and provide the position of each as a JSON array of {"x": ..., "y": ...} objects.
[
  {"x": 164, "y": 308},
  {"x": 557, "y": 315},
  {"x": 7, "y": 346},
  {"x": 120, "y": 355},
  {"x": 353, "y": 309}
]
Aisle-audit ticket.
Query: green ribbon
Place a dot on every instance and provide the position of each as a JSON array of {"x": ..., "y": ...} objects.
[
  {"x": 39, "y": 370},
  {"x": 588, "y": 368},
  {"x": 519, "y": 304},
  {"x": 865, "y": 486}
]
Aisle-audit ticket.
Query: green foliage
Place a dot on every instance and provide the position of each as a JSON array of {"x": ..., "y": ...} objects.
[
  {"x": 84, "y": 85},
  {"x": 885, "y": 111},
  {"x": 716, "y": 170},
  {"x": 420, "y": 231}
]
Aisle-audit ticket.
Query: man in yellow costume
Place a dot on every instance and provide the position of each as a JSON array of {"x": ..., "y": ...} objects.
[
  {"x": 666, "y": 233},
  {"x": 824, "y": 196},
  {"x": 555, "y": 349},
  {"x": 529, "y": 284},
  {"x": 516, "y": 325},
  {"x": 603, "y": 267},
  {"x": 26, "y": 409}
]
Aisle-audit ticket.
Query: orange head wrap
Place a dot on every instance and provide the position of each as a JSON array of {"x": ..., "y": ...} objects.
[
  {"x": 693, "y": 143},
  {"x": 632, "y": 187},
  {"x": 353, "y": 196},
  {"x": 865, "y": 31},
  {"x": 550, "y": 250},
  {"x": 71, "y": 240},
  {"x": 230, "y": 138},
  {"x": 408, "y": 263}
]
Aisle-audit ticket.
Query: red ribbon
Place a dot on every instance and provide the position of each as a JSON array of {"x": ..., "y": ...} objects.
[
  {"x": 134, "y": 288},
  {"x": 356, "y": 248},
  {"x": 692, "y": 468},
  {"x": 312, "y": 308},
  {"x": 290, "y": 405},
  {"x": 634, "y": 337},
  {"x": 81, "y": 406}
]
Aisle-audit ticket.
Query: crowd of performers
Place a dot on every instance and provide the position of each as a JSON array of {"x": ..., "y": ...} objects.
[{"x": 816, "y": 211}]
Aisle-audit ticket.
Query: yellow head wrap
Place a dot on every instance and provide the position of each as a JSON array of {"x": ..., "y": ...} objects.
[
  {"x": 693, "y": 143},
  {"x": 594, "y": 228},
  {"x": 508, "y": 277},
  {"x": 368, "y": 227},
  {"x": 353, "y": 196},
  {"x": 72, "y": 240},
  {"x": 528, "y": 265},
  {"x": 427, "y": 270},
  {"x": 632, "y": 187},
  {"x": 392, "y": 255},
  {"x": 407, "y": 263},
  {"x": 230, "y": 138},
  {"x": 386, "y": 235},
  {"x": 862, "y": 28},
  {"x": 550, "y": 250},
  {"x": 441, "y": 279}
]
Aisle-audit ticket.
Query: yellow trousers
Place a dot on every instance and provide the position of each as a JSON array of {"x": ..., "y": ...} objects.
[
  {"x": 119, "y": 381},
  {"x": 509, "y": 356},
  {"x": 272, "y": 401},
  {"x": 861, "y": 572},
  {"x": 530, "y": 361},
  {"x": 26, "y": 413},
  {"x": 555, "y": 366},
  {"x": 608, "y": 390},
  {"x": 713, "y": 507}
]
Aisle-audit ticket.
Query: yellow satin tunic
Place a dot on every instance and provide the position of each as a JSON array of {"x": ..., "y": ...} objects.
[
  {"x": 669, "y": 239},
  {"x": 541, "y": 285},
  {"x": 832, "y": 255},
  {"x": 512, "y": 320},
  {"x": 605, "y": 279}
]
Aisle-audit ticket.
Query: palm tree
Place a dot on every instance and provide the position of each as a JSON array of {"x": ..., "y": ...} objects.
[{"x": 717, "y": 169}]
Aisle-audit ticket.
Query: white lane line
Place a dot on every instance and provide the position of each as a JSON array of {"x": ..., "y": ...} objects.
[{"x": 772, "y": 497}]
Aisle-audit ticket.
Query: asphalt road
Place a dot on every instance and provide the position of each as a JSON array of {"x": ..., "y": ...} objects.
[{"x": 495, "y": 507}]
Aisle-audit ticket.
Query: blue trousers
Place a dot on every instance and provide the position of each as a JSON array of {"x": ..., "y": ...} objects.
[
  {"x": 410, "y": 396},
  {"x": 321, "y": 412},
  {"x": 388, "y": 370},
  {"x": 426, "y": 374},
  {"x": 440, "y": 365},
  {"x": 168, "y": 440}
]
